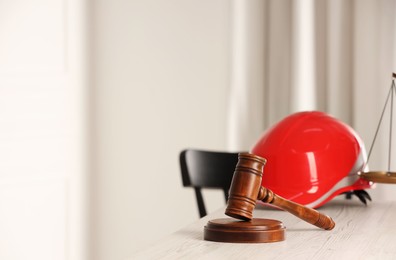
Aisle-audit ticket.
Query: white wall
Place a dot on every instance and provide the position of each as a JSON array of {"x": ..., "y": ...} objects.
[
  {"x": 160, "y": 75},
  {"x": 42, "y": 129}
]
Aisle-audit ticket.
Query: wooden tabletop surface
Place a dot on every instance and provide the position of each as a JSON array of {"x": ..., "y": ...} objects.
[{"x": 361, "y": 232}]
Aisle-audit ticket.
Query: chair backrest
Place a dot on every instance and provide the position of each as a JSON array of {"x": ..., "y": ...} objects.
[{"x": 207, "y": 169}]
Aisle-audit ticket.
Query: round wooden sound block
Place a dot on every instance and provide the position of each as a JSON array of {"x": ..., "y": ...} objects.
[{"x": 257, "y": 230}]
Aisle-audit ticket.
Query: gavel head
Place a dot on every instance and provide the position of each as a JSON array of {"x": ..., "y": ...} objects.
[{"x": 245, "y": 186}]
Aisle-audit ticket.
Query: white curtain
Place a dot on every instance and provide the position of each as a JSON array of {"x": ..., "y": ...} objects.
[{"x": 335, "y": 56}]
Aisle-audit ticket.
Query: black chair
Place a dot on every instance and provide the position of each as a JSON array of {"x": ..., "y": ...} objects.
[{"x": 207, "y": 169}]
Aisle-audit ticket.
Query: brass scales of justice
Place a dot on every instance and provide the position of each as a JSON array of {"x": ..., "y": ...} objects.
[{"x": 383, "y": 176}]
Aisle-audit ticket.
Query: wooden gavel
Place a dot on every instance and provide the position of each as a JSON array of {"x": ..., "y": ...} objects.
[{"x": 246, "y": 189}]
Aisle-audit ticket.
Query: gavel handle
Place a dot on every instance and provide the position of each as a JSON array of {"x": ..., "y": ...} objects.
[{"x": 307, "y": 214}]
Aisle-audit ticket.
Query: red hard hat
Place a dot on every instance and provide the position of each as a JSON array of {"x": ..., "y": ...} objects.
[{"x": 312, "y": 157}]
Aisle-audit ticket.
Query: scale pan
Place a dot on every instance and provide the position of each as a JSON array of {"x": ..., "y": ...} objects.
[{"x": 379, "y": 176}]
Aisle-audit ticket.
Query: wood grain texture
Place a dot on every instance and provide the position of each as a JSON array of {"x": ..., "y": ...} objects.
[{"x": 362, "y": 232}]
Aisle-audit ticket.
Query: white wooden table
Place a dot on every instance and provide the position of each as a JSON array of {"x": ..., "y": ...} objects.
[{"x": 361, "y": 232}]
